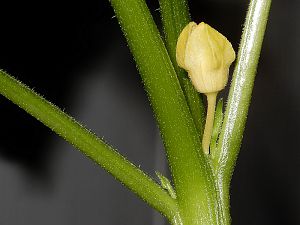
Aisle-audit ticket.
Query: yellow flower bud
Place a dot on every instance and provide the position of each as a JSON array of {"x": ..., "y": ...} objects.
[{"x": 206, "y": 55}]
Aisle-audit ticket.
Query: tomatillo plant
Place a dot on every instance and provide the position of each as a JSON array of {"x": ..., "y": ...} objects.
[{"x": 201, "y": 180}]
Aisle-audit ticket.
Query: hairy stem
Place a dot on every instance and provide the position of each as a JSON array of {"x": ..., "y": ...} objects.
[
  {"x": 175, "y": 16},
  {"x": 192, "y": 174},
  {"x": 240, "y": 93},
  {"x": 89, "y": 144}
]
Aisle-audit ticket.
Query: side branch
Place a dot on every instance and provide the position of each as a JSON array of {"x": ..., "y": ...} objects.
[{"x": 89, "y": 144}]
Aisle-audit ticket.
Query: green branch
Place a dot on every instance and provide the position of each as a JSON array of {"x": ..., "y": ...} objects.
[
  {"x": 192, "y": 174},
  {"x": 89, "y": 144},
  {"x": 240, "y": 95},
  {"x": 175, "y": 16}
]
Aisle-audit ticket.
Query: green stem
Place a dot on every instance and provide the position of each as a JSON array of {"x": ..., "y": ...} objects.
[
  {"x": 192, "y": 174},
  {"x": 175, "y": 16},
  {"x": 89, "y": 144},
  {"x": 239, "y": 96},
  {"x": 196, "y": 106}
]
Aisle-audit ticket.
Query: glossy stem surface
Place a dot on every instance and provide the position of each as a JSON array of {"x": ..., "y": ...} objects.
[{"x": 229, "y": 143}]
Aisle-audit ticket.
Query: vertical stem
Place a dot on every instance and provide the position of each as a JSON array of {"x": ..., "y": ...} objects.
[
  {"x": 191, "y": 171},
  {"x": 239, "y": 98},
  {"x": 195, "y": 103},
  {"x": 175, "y": 16},
  {"x": 241, "y": 88},
  {"x": 211, "y": 105}
]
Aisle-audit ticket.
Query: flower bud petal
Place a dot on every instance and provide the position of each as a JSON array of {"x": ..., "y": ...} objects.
[
  {"x": 206, "y": 55},
  {"x": 181, "y": 43}
]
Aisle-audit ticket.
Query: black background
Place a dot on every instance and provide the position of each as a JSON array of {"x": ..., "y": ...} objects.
[{"x": 74, "y": 54}]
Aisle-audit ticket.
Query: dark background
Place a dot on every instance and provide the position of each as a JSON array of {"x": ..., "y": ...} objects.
[{"x": 74, "y": 54}]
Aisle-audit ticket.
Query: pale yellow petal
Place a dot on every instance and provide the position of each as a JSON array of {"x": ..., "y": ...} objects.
[
  {"x": 181, "y": 43},
  {"x": 208, "y": 55},
  {"x": 229, "y": 54}
]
